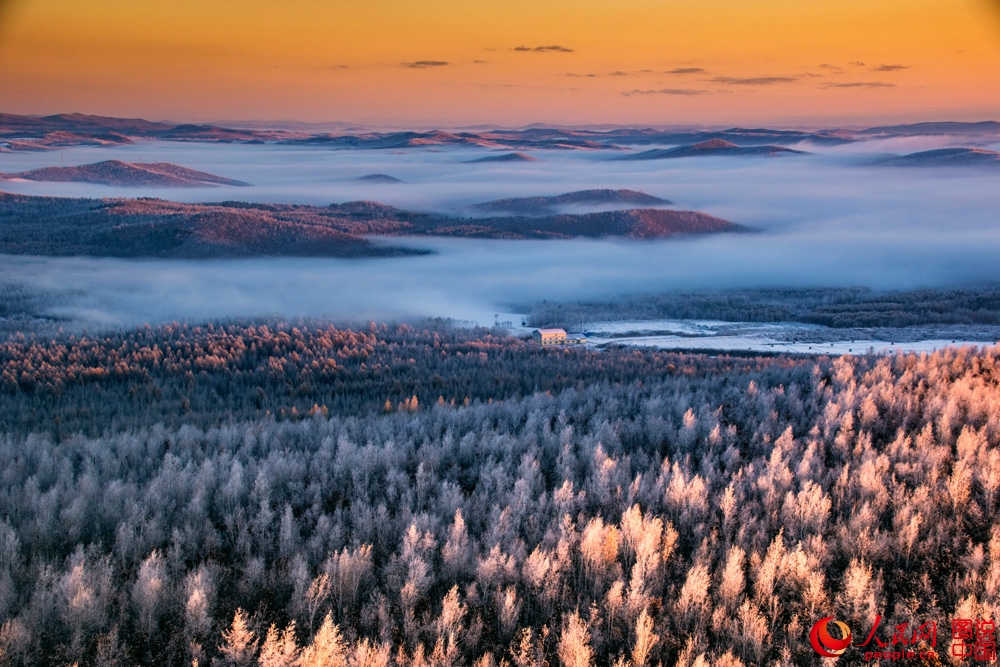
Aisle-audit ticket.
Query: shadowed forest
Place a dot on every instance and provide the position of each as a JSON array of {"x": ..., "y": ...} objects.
[
  {"x": 218, "y": 373},
  {"x": 832, "y": 307},
  {"x": 624, "y": 507}
]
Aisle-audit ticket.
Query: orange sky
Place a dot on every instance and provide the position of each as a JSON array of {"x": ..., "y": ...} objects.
[{"x": 620, "y": 61}]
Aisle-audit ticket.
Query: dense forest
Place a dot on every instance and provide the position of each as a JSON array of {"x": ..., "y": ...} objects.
[
  {"x": 205, "y": 375},
  {"x": 615, "y": 508},
  {"x": 843, "y": 307}
]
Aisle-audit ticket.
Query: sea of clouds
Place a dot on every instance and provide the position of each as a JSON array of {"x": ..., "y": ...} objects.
[{"x": 830, "y": 218}]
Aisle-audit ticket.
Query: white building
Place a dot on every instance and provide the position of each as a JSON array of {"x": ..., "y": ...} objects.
[{"x": 549, "y": 336}]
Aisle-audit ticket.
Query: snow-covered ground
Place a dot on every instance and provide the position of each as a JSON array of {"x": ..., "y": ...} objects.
[
  {"x": 651, "y": 327},
  {"x": 764, "y": 344},
  {"x": 791, "y": 337}
]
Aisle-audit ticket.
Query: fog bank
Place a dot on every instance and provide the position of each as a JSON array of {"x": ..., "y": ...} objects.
[{"x": 473, "y": 279}]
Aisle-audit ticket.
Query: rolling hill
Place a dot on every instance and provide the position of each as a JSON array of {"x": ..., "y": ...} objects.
[
  {"x": 946, "y": 157},
  {"x": 712, "y": 148},
  {"x": 637, "y": 223},
  {"x": 503, "y": 157},
  {"x": 158, "y": 228},
  {"x": 116, "y": 172},
  {"x": 548, "y": 205},
  {"x": 379, "y": 178}
]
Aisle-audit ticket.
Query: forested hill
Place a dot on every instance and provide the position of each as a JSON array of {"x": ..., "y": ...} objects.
[
  {"x": 116, "y": 172},
  {"x": 159, "y": 228}
]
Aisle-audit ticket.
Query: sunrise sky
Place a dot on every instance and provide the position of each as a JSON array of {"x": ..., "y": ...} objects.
[{"x": 452, "y": 62}]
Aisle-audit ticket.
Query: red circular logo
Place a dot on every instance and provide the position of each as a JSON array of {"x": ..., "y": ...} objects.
[{"x": 826, "y": 644}]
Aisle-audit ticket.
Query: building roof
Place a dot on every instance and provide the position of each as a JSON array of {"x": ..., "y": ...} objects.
[{"x": 552, "y": 331}]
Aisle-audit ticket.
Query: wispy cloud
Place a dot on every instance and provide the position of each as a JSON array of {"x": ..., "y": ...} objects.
[
  {"x": 479, "y": 62},
  {"x": 752, "y": 80},
  {"x": 890, "y": 68},
  {"x": 832, "y": 68},
  {"x": 686, "y": 70},
  {"x": 547, "y": 48},
  {"x": 857, "y": 63},
  {"x": 422, "y": 64},
  {"x": 860, "y": 84},
  {"x": 665, "y": 91},
  {"x": 617, "y": 72}
]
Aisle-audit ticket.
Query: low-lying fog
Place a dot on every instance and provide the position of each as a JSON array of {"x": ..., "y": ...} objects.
[
  {"x": 826, "y": 219},
  {"x": 472, "y": 279}
]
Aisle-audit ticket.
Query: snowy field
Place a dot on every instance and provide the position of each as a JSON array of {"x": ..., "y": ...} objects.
[
  {"x": 751, "y": 343},
  {"x": 789, "y": 337}
]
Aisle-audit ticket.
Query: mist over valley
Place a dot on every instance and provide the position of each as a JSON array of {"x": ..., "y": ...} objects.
[{"x": 828, "y": 218}]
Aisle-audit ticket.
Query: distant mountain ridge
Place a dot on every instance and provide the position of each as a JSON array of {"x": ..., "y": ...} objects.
[
  {"x": 486, "y": 139},
  {"x": 158, "y": 228},
  {"x": 41, "y": 132},
  {"x": 116, "y": 172},
  {"x": 20, "y": 132},
  {"x": 936, "y": 127},
  {"x": 76, "y": 122}
]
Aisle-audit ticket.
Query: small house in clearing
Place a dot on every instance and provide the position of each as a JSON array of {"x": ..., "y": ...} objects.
[{"x": 549, "y": 336}]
